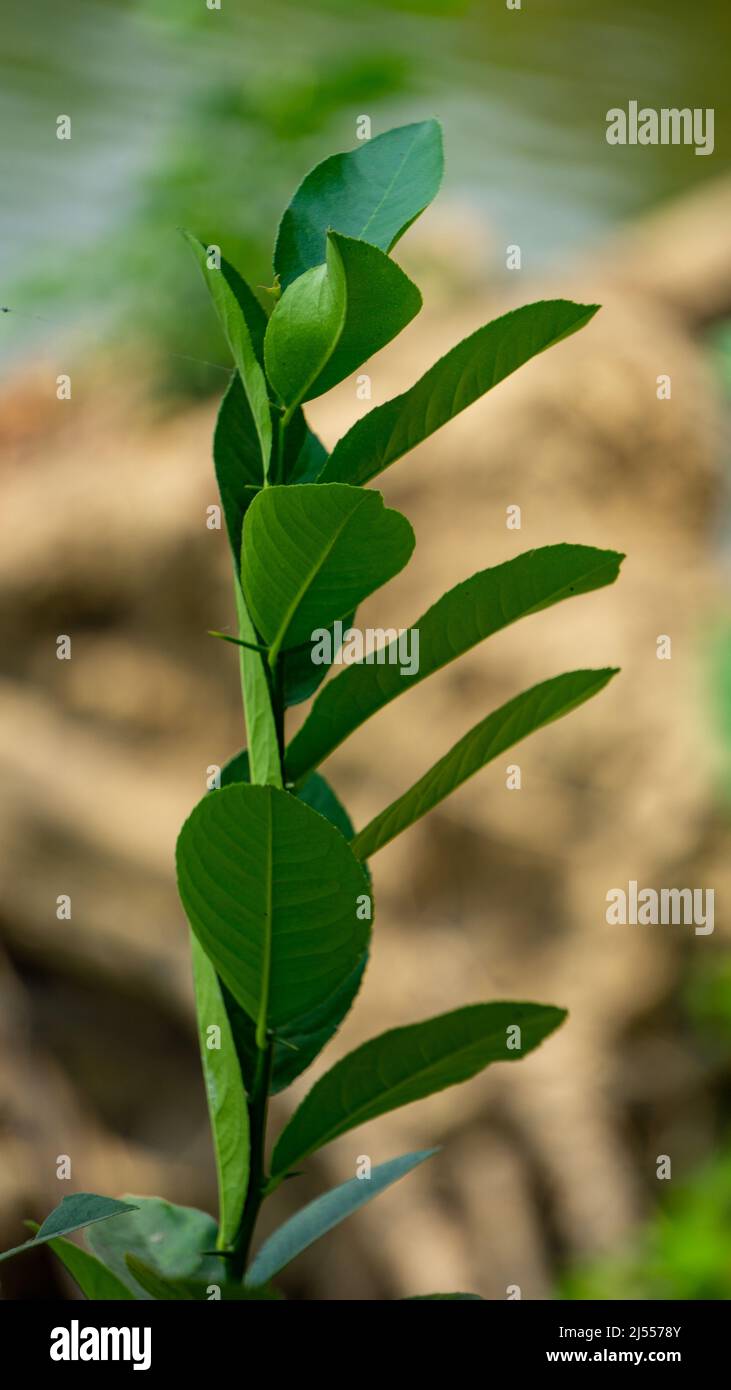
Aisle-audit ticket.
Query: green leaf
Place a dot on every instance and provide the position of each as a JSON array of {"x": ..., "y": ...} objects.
[
  {"x": 271, "y": 890},
  {"x": 77, "y": 1210},
  {"x": 296, "y": 1044},
  {"x": 500, "y": 730},
  {"x": 161, "y": 1287},
  {"x": 237, "y": 460},
  {"x": 261, "y": 732},
  {"x": 373, "y": 193},
  {"x": 336, "y": 316},
  {"x": 304, "y": 454},
  {"x": 318, "y": 794},
  {"x": 302, "y": 675},
  {"x": 93, "y": 1278},
  {"x": 312, "y": 553},
  {"x": 175, "y": 1241},
  {"x": 227, "y": 1104},
  {"x": 405, "y": 1065},
  {"x": 320, "y": 1216},
  {"x": 244, "y": 323},
  {"x": 466, "y": 615},
  {"x": 454, "y": 382}
]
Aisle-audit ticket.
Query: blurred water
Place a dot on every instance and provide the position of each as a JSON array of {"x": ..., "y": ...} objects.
[{"x": 184, "y": 115}]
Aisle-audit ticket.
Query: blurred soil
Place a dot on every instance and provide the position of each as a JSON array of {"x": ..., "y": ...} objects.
[{"x": 497, "y": 894}]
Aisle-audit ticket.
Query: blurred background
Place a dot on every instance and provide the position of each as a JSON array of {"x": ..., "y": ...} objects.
[{"x": 181, "y": 115}]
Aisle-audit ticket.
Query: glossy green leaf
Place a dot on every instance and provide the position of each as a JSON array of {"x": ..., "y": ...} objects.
[
  {"x": 296, "y": 1044},
  {"x": 175, "y": 1241},
  {"x": 165, "y": 1288},
  {"x": 227, "y": 1105},
  {"x": 271, "y": 891},
  {"x": 407, "y": 1064},
  {"x": 467, "y": 372},
  {"x": 244, "y": 323},
  {"x": 96, "y": 1282},
  {"x": 72, "y": 1213},
  {"x": 500, "y": 730},
  {"x": 336, "y": 316},
  {"x": 466, "y": 615},
  {"x": 312, "y": 553},
  {"x": 373, "y": 193},
  {"x": 320, "y": 1216}
]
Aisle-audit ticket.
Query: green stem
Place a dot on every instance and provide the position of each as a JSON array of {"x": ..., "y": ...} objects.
[
  {"x": 259, "y": 1098},
  {"x": 258, "y": 1180}
]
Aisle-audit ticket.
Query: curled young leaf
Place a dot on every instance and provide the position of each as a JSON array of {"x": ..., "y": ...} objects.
[{"x": 336, "y": 316}]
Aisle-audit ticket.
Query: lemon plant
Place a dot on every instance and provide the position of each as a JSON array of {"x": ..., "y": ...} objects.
[{"x": 273, "y": 877}]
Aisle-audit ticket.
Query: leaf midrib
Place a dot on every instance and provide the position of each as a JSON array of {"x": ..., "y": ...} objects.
[{"x": 388, "y": 190}]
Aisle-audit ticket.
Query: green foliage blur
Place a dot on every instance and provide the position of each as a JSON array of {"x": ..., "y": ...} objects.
[{"x": 185, "y": 116}]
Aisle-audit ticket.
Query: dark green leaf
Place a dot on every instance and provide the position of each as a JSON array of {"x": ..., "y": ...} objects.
[
  {"x": 93, "y": 1278},
  {"x": 312, "y": 553},
  {"x": 77, "y": 1210},
  {"x": 244, "y": 323},
  {"x": 237, "y": 460},
  {"x": 467, "y": 614},
  {"x": 500, "y": 730},
  {"x": 373, "y": 193},
  {"x": 173, "y": 1240},
  {"x": 304, "y": 455},
  {"x": 227, "y": 1106},
  {"x": 302, "y": 675},
  {"x": 298, "y": 1043},
  {"x": 336, "y": 316},
  {"x": 271, "y": 891},
  {"x": 454, "y": 382},
  {"x": 320, "y": 1216},
  {"x": 405, "y": 1065}
]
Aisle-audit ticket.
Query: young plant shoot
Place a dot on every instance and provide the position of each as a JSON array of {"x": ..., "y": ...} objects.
[{"x": 275, "y": 882}]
